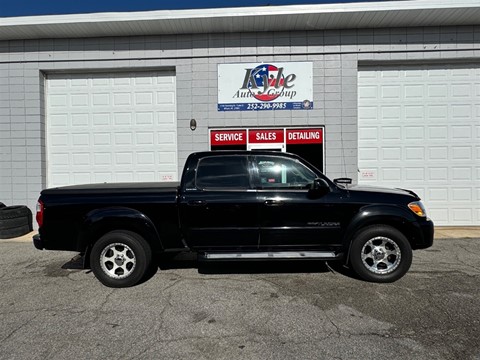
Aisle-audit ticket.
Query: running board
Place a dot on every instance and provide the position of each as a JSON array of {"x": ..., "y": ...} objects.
[{"x": 271, "y": 255}]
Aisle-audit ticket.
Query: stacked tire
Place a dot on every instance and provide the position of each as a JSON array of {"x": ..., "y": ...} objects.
[{"x": 15, "y": 221}]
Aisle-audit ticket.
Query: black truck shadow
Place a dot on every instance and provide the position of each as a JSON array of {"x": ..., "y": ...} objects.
[{"x": 190, "y": 261}]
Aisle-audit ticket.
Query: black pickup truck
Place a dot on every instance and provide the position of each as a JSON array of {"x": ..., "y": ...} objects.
[{"x": 235, "y": 206}]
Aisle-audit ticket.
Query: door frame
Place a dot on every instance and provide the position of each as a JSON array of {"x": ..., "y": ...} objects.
[
  {"x": 239, "y": 139},
  {"x": 273, "y": 147}
]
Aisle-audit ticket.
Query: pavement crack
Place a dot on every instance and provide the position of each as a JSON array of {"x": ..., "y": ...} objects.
[
  {"x": 172, "y": 285},
  {"x": 337, "y": 328},
  {"x": 18, "y": 328}
]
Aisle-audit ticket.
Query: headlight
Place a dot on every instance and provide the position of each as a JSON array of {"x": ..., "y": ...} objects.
[{"x": 418, "y": 208}]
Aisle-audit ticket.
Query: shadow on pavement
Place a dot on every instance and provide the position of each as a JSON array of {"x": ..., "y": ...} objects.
[
  {"x": 75, "y": 263},
  {"x": 190, "y": 261}
]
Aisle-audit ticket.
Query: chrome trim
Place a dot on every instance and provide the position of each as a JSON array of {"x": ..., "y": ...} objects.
[
  {"x": 381, "y": 255},
  {"x": 118, "y": 261},
  {"x": 271, "y": 255}
]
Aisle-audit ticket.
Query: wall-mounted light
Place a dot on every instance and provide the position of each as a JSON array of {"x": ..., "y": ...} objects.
[{"x": 193, "y": 124}]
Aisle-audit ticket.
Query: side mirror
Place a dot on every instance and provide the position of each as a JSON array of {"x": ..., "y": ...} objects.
[
  {"x": 319, "y": 188},
  {"x": 343, "y": 181},
  {"x": 319, "y": 183}
]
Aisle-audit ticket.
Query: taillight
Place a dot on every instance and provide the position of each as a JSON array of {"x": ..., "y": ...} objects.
[{"x": 39, "y": 216}]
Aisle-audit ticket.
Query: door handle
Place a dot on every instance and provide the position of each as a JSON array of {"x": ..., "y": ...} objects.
[
  {"x": 197, "y": 203},
  {"x": 273, "y": 202}
]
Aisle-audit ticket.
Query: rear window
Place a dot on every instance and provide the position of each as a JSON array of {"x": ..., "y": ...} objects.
[{"x": 223, "y": 172}]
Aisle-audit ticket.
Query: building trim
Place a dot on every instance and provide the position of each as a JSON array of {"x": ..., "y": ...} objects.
[{"x": 245, "y": 19}]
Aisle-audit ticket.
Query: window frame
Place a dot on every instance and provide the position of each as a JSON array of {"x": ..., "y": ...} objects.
[
  {"x": 249, "y": 174},
  {"x": 256, "y": 174}
]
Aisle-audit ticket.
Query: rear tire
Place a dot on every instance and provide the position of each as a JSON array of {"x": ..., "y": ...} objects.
[
  {"x": 381, "y": 254},
  {"x": 120, "y": 259}
]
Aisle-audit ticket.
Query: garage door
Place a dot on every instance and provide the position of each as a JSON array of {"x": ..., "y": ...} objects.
[
  {"x": 111, "y": 127},
  {"x": 419, "y": 128}
]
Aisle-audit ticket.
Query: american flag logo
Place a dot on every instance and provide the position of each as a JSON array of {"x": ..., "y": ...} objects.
[{"x": 269, "y": 73}]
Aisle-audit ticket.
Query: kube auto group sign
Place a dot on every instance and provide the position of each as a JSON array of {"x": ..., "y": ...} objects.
[{"x": 272, "y": 86}]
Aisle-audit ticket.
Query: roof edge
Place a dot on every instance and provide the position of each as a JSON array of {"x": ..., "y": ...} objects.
[{"x": 239, "y": 12}]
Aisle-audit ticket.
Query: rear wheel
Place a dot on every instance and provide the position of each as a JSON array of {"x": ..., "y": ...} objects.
[
  {"x": 120, "y": 258},
  {"x": 380, "y": 253}
]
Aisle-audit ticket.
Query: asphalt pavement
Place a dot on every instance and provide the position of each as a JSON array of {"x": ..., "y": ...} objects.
[{"x": 50, "y": 309}]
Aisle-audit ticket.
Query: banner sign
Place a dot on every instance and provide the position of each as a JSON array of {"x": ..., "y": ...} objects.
[
  {"x": 265, "y": 136},
  {"x": 305, "y": 136},
  {"x": 273, "y": 86},
  {"x": 228, "y": 137}
]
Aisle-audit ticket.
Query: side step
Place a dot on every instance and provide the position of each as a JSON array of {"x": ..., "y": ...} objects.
[{"x": 271, "y": 255}]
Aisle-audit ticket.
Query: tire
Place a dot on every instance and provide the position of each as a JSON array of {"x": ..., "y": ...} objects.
[
  {"x": 15, "y": 221},
  {"x": 120, "y": 259},
  {"x": 11, "y": 212},
  {"x": 14, "y": 232},
  {"x": 381, "y": 254}
]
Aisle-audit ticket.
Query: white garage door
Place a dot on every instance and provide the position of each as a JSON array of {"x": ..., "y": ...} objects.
[
  {"x": 115, "y": 127},
  {"x": 419, "y": 128}
]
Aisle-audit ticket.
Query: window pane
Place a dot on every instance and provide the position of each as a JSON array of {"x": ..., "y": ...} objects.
[
  {"x": 224, "y": 172},
  {"x": 287, "y": 173}
]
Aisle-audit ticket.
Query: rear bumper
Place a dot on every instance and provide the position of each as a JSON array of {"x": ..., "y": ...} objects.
[{"x": 37, "y": 242}]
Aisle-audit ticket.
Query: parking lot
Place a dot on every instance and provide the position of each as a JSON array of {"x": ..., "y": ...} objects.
[{"x": 280, "y": 310}]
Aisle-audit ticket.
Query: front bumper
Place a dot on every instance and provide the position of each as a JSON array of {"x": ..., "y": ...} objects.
[
  {"x": 427, "y": 232},
  {"x": 37, "y": 242}
]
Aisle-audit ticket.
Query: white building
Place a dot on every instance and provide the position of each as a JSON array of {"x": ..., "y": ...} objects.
[{"x": 387, "y": 93}]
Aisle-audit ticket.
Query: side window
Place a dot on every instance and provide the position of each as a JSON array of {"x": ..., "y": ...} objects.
[
  {"x": 283, "y": 173},
  {"x": 223, "y": 172}
]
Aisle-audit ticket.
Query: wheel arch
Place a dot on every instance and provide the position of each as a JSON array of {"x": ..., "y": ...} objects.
[
  {"x": 99, "y": 222},
  {"x": 388, "y": 215}
]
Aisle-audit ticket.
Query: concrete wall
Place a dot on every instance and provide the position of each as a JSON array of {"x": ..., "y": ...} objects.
[{"x": 335, "y": 55}]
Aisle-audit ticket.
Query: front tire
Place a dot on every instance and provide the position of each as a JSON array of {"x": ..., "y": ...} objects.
[
  {"x": 381, "y": 254},
  {"x": 120, "y": 259}
]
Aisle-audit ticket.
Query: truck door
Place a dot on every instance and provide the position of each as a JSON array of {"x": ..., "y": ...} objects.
[
  {"x": 220, "y": 210},
  {"x": 289, "y": 216}
]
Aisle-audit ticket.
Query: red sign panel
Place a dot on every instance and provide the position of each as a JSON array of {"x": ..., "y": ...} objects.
[
  {"x": 265, "y": 136},
  {"x": 228, "y": 137},
  {"x": 304, "y": 136}
]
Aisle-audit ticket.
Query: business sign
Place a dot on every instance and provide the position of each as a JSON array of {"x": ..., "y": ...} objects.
[
  {"x": 273, "y": 86},
  {"x": 267, "y": 136},
  {"x": 228, "y": 137},
  {"x": 305, "y": 136}
]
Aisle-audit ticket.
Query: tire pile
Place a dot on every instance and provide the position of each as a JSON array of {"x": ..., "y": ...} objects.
[{"x": 14, "y": 221}]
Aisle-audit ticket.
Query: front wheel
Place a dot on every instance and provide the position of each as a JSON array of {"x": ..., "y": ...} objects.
[
  {"x": 120, "y": 259},
  {"x": 381, "y": 254}
]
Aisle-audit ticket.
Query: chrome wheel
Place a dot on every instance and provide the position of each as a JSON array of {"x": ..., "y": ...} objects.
[
  {"x": 381, "y": 255},
  {"x": 117, "y": 260}
]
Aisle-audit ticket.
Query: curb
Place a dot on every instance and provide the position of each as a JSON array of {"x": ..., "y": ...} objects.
[
  {"x": 23, "y": 238},
  {"x": 447, "y": 232}
]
